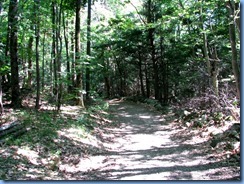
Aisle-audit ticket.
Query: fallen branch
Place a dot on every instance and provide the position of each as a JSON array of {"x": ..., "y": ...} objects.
[
  {"x": 18, "y": 131},
  {"x": 3, "y": 128},
  {"x": 10, "y": 130}
]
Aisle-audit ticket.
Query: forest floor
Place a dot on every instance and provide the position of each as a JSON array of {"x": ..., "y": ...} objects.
[{"x": 132, "y": 142}]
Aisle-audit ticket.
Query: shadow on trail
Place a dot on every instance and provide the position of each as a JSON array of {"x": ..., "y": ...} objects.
[
  {"x": 174, "y": 172},
  {"x": 148, "y": 148},
  {"x": 177, "y": 172}
]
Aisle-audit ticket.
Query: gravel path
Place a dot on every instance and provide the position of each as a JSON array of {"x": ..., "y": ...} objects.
[{"x": 148, "y": 146}]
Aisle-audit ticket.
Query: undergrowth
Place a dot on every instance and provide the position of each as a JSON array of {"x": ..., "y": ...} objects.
[
  {"x": 43, "y": 124},
  {"x": 51, "y": 137}
]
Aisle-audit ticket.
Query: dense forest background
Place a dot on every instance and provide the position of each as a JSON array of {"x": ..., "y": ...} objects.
[{"x": 171, "y": 51}]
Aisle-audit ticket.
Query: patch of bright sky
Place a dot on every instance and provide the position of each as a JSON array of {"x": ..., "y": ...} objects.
[
  {"x": 130, "y": 7},
  {"x": 101, "y": 8},
  {"x": 102, "y": 11}
]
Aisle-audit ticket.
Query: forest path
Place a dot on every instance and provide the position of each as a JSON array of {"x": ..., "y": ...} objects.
[{"x": 150, "y": 146}]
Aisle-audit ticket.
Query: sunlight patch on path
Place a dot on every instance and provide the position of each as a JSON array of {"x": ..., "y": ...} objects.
[{"x": 149, "y": 146}]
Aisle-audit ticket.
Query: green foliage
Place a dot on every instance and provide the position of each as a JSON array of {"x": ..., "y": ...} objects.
[
  {"x": 121, "y": 47},
  {"x": 4, "y": 70}
]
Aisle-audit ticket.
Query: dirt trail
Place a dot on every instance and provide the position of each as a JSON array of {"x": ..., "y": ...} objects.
[{"x": 148, "y": 146}]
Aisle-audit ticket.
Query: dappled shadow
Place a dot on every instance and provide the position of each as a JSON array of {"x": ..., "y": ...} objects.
[
  {"x": 166, "y": 150},
  {"x": 43, "y": 161},
  {"x": 55, "y": 143},
  {"x": 135, "y": 117},
  {"x": 145, "y": 146},
  {"x": 151, "y": 148},
  {"x": 177, "y": 172}
]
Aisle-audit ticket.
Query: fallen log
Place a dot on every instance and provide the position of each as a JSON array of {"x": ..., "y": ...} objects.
[
  {"x": 11, "y": 130},
  {"x": 20, "y": 130},
  {"x": 3, "y": 128}
]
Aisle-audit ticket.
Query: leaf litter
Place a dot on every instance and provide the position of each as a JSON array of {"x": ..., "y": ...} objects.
[{"x": 128, "y": 141}]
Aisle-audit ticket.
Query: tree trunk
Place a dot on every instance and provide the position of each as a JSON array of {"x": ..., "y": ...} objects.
[
  {"x": 106, "y": 75},
  {"x": 235, "y": 10},
  {"x": 43, "y": 61},
  {"x": 107, "y": 85},
  {"x": 212, "y": 66},
  {"x": 13, "y": 24},
  {"x": 79, "y": 86},
  {"x": 6, "y": 79},
  {"x": 72, "y": 60},
  {"x": 215, "y": 69},
  {"x": 232, "y": 33},
  {"x": 155, "y": 66},
  {"x": 141, "y": 76},
  {"x": 37, "y": 34},
  {"x": 164, "y": 73},
  {"x": 59, "y": 56},
  {"x": 30, "y": 53},
  {"x": 51, "y": 70},
  {"x": 147, "y": 81},
  {"x": 88, "y": 51},
  {"x": 54, "y": 49},
  {"x": 150, "y": 20},
  {"x": 65, "y": 23}
]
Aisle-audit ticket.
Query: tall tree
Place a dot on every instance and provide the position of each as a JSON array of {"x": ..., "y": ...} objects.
[
  {"x": 43, "y": 60},
  {"x": 88, "y": 51},
  {"x": 1, "y": 90},
  {"x": 72, "y": 38},
  {"x": 37, "y": 35},
  {"x": 79, "y": 85},
  {"x": 68, "y": 68},
  {"x": 232, "y": 34},
  {"x": 150, "y": 6},
  {"x": 59, "y": 55},
  {"x": 13, "y": 25},
  {"x": 54, "y": 47},
  {"x": 212, "y": 63},
  {"x": 30, "y": 54}
]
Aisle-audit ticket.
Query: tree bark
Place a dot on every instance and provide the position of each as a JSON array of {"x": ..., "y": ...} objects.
[
  {"x": 88, "y": 51},
  {"x": 43, "y": 61},
  {"x": 212, "y": 66},
  {"x": 37, "y": 34},
  {"x": 6, "y": 79},
  {"x": 107, "y": 85},
  {"x": 13, "y": 24},
  {"x": 232, "y": 33},
  {"x": 150, "y": 20},
  {"x": 59, "y": 56},
  {"x": 67, "y": 54},
  {"x": 54, "y": 50},
  {"x": 141, "y": 75},
  {"x": 79, "y": 85},
  {"x": 72, "y": 36},
  {"x": 148, "y": 89},
  {"x": 29, "y": 73},
  {"x": 164, "y": 73}
]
